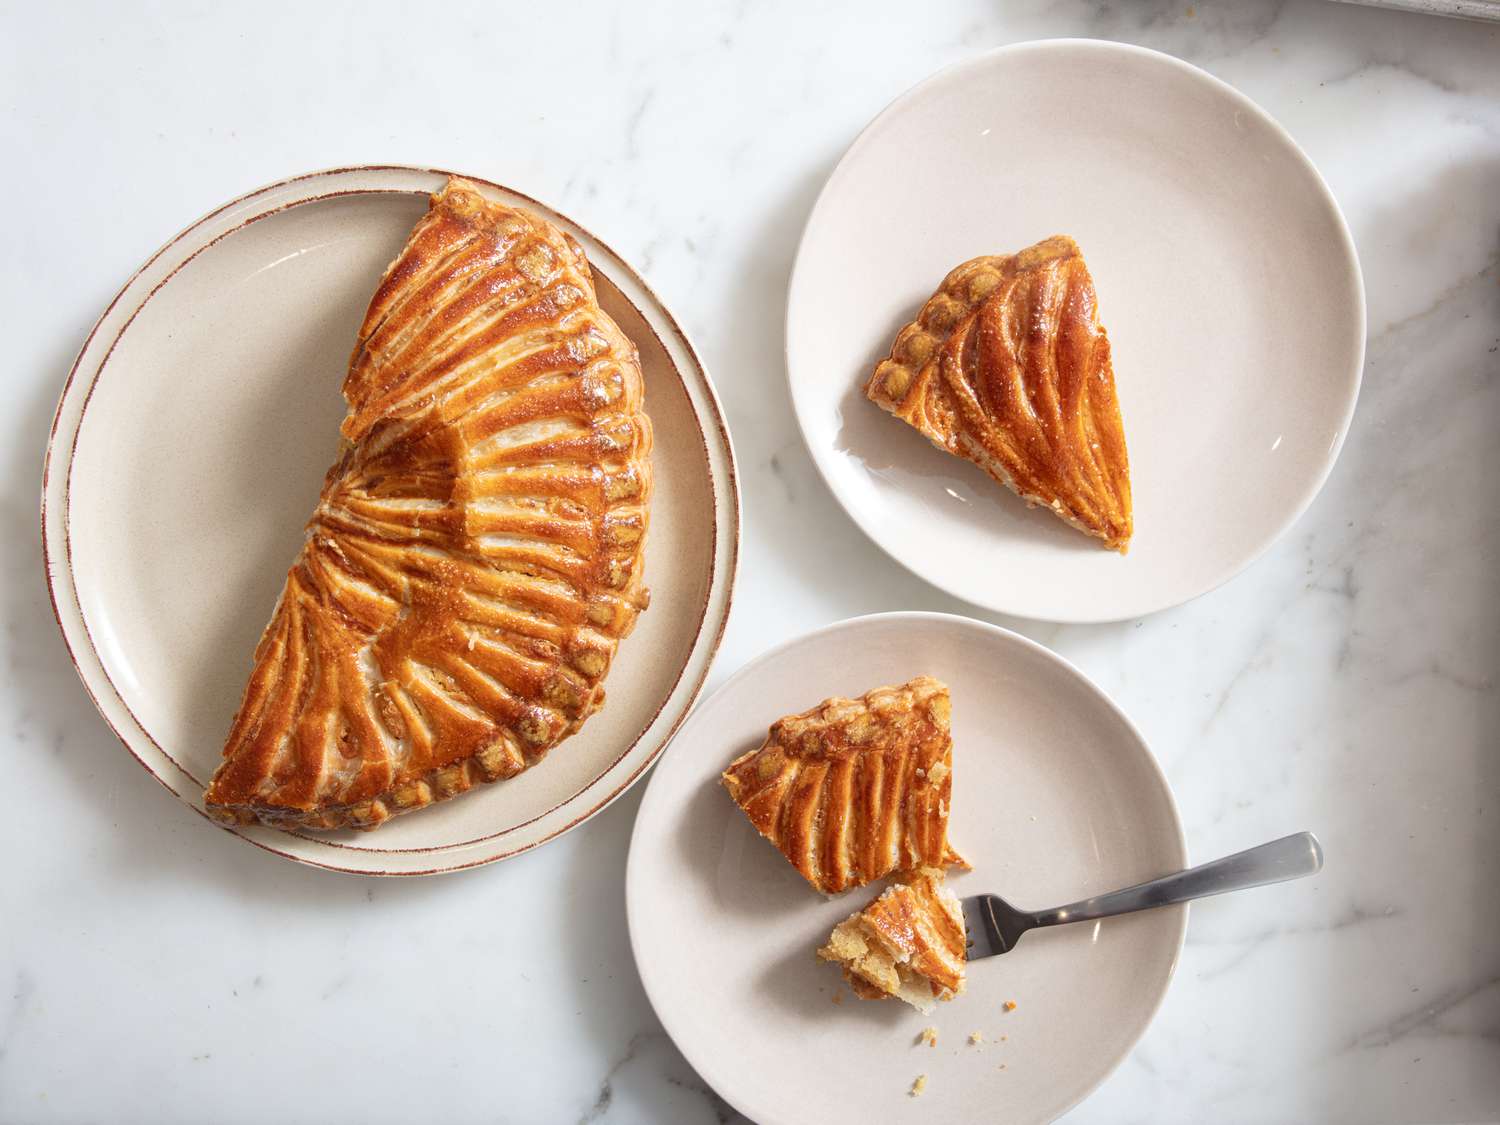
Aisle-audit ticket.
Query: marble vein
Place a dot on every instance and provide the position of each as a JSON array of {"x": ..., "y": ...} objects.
[{"x": 1424, "y": 1020}]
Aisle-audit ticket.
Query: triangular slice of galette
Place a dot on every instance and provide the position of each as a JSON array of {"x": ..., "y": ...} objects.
[
  {"x": 1008, "y": 366},
  {"x": 855, "y": 789}
]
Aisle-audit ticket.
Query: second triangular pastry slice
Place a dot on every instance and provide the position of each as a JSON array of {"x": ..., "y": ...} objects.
[
  {"x": 1008, "y": 366},
  {"x": 853, "y": 790}
]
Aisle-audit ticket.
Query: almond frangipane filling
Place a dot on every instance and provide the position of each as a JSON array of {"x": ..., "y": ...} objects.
[{"x": 908, "y": 943}]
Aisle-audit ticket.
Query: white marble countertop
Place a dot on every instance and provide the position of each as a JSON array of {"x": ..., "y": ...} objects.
[{"x": 155, "y": 970}]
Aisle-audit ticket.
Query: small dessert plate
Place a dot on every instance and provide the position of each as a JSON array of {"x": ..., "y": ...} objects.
[
  {"x": 1226, "y": 278},
  {"x": 1055, "y": 797}
]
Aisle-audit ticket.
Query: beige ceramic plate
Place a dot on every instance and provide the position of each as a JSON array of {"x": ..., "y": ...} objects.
[
  {"x": 1227, "y": 281},
  {"x": 1055, "y": 798},
  {"x": 188, "y": 450}
]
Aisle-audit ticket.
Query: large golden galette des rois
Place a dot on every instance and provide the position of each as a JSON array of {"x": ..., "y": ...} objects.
[
  {"x": 1008, "y": 366},
  {"x": 476, "y": 553}
]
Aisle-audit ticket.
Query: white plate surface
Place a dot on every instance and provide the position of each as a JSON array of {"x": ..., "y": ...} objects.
[
  {"x": 187, "y": 453},
  {"x": 1055, "y": 798},
  {"x": 1227, "y": 281}
]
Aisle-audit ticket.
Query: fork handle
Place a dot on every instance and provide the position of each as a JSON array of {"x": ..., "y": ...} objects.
[{"x": 1291, "y": 857}]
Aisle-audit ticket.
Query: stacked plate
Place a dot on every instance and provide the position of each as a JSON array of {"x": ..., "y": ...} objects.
[{"x": 187, "y": 453}]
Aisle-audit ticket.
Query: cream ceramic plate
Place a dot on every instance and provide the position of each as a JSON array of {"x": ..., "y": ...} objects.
[
  {"x": 1227, "y": 281},
  {"x": 1055, "y": 797},
  {"x": 187, "y": 453}
]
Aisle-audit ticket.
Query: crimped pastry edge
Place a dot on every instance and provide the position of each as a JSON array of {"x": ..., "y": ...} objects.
[
  {"x": 507, "y": 755},
  {"x": 929, "y": 686},
  {"x": 896, "y": 378}
]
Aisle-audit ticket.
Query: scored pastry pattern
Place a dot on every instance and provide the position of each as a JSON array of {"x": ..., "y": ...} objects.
[
  {"x": 855, "y": 789},
  {"x": 1008, "y": 366},
  {"x": 476, "y": 552}
]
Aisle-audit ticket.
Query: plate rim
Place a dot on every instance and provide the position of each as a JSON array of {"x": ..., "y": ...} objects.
[
  {"x": 366, "y": 180},
  {"x": 1243, "y": 101},
  {"x": 997, "y": 633}
]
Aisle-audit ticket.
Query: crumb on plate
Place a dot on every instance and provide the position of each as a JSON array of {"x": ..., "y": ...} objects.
[
  {"x": 919, "y": 1085},
  {"x": 928, "y": 1036},
  {"x": 1009, "y": 1005},
  {"x": 976, "y": 1037}
]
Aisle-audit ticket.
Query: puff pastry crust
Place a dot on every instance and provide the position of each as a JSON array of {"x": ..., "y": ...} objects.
[
  {"x": 476, "y": 552},
  {"x": 908, "y": 943},
  {"x": 855, "y": 789},
  {"x": 1007, "y": 366}
]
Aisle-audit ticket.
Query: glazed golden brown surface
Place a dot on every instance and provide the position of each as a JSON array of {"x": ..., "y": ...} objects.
[
  {"x": 1007, "y": 366},
  {"x": 476, "y": 553},
  {"x": 855, "y": 789},
  {"x": 909, "y": 943}
]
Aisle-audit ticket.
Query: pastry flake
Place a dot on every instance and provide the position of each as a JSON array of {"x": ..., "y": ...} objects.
[
  {"x": 476, "y": 552},
  {"x": 1007, "y": 366},
  {"x": 908, "y": 943},
  {"x": 855, "y": 789}
]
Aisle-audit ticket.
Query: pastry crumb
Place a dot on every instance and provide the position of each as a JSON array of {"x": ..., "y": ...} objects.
[
  {"x": 838, "y": 997},
  {"x": 1003, "y": 1038},
  {"x": 918, "y": 1086},
  {"x": 1009, "y": 1005},
  {"x": 976, "y": 1037},
  {"x": 928, "y": 1036}
]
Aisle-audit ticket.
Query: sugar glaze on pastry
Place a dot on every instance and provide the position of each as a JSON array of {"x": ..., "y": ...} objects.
[
  {"x": 1008, "y": 366},
  {"x": 476, "y": 553},
  {"x": 853, "y": 790}
]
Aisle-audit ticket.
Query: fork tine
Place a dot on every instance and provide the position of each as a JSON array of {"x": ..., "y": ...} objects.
[{"x": 980, "y": 933}]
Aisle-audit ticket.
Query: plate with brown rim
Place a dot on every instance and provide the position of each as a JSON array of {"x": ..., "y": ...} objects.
[{"x": 187, "y": 451}]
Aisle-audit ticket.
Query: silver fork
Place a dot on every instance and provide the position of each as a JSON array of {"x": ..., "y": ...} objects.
[{"x": 994, "y": 925}]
